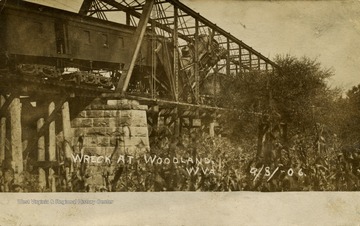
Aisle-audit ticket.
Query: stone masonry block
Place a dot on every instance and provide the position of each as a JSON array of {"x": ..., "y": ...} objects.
[
  {"x": 139, "y": 131},
  {"x": 82, "y": 122},
  {"x": 101, "y": 122},
  {"x": 97, "y": 131},
  {"x": 133, "y": 122},
  {"x": 136, "y": 141},
  {"x": 90, "y": 141},
  {"x": 82, "y": 114},
  {"x": 95, "y": 113},
  {"x": 112, "y": 102},
  {"x": 94, "y": 151},
  {"x": 112, "y": 122},
  {"x": 110, "y": 113},
  {"x": 96, "y": 141},
  {"x": 132, "y": 113},
  {"x": 115, "y": 131},
  {"x": 123, "y": 114},
  {"x": 90, "y": 151},
  {"x": 103, "y": 141},
  {"x": 79, "y": 132},
  {"x": 139, "y": 107}
]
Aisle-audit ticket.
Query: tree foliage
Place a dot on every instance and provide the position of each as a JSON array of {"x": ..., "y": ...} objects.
[{"x": 285, "y": 131}]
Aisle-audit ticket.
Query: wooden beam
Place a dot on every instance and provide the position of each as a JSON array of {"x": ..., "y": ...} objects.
[
  {"x": 86, "y": 5},
  {"x": 176, "y": 123},
  {"x": 52, "y": 148},
  {"x": 132, "y": 12},
  {"x": 128, "y": 19},
  {"x": 67, "y": 132},
  {"x": 41, "y": 156},
  {"x": 2, "y": 132},
  {"x": 67, "y": 135},
  {"x": 196, "y": 63},
  {"x": 41, "y": 142},
  {"x": 228, "y": 56},
  {"x": 52, "y": 135},
  {"x": 212, "y": 129},
  {"x": 138, "y": 37},
  {"x": 16, "y": 136},
  {"x": 176, "y": 54},
  {"x": 41, "y": 131},
  {"x": 6, "y": 104}
]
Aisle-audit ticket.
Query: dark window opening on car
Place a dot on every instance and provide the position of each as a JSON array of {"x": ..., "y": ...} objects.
[
  {"x": 87, "y": 38},
  {"x": 105, "y": 40},
  {"x": 61, "y": 37},
  {"x": 121, "y": 42}
]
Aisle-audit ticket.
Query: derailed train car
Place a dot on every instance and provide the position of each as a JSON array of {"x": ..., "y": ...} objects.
[
  {"x": 45, "y": 42},
  {"x": 40, "y": 39}
]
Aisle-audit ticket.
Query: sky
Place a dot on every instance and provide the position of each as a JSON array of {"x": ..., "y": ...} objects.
[{"x": 326, "y": 30}]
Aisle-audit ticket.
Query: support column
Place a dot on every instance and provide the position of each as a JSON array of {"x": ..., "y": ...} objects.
[
  {"x": 66, "y": 129},
  {"x": 41, "y": 156},
  {"x": 196, "y": 63},
  {"x": 65, "y": 112},
  {"x": 228, "y": 57},
  {"x": 176, "y": 123},
  {"x": 86, "y": 5},
  {"x": 2, "y": 132},
  {"x": 176, "y": 53},
  {"x": 16, "y": 136},
  {"x": 52, "y": 148},
  {"x": 212, "y": 129},
  {"x": 240, "y": 61},
  {"x": 128, "y": 19}
]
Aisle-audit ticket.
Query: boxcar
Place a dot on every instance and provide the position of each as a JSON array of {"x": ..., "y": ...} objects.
[{"x": 32, "y": 33}]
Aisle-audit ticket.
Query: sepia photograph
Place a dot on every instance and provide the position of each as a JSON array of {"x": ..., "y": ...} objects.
[{"x": 226, "y": 103}]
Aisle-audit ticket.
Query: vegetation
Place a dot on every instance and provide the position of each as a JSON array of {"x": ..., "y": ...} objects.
[
  {"x": 292, "y": 133},
  {"x": 304, "y": 137}
]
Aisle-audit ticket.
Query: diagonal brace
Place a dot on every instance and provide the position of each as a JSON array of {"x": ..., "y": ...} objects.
[
  {"x": 138, "y": 37},
  {"x": 6, "y": 104}
]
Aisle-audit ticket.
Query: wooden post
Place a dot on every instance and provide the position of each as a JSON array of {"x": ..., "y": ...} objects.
[
  {"x": 65, "y": 112},
  {"x": 86, "y": 5},
  {"x": 2, "y": 132},
  {"x": 16, "y": 136},
  {"x": 41, "y": 155},
  {"x": 176, "y": 123},
  {"x": 52, "y": 147},
  {"x": 52, "y": 135},
  {"x": 196, "y": 62},
  {"x": 240, "y": 60},
  {"x": 228, "y": 57},
  {"x": 128, "y": 19},
  {"x": 176, "y": 53},
  {"x": 212, "y": 129},
  {"x": 66, "y": 129}
]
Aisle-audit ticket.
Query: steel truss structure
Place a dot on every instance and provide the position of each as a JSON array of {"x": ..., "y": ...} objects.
[{"x": 185, "y": 28}]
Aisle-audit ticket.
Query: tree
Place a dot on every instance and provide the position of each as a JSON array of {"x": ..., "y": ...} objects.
[
  {"x": 300, "y": 91},
  {"x": 349, "y": 108}
]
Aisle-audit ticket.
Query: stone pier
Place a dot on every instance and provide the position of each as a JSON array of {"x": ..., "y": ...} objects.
[{"x": 120, "y": 123}]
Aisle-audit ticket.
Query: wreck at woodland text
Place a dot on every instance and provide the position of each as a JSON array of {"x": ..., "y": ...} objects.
[{"x": 148, "y": 103}]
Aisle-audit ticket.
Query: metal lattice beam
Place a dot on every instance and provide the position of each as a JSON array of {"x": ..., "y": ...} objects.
[{"x": 185, "y": 27}]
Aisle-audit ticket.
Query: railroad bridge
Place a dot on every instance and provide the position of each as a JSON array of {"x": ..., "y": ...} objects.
[{"x": 108, "y": 76}]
